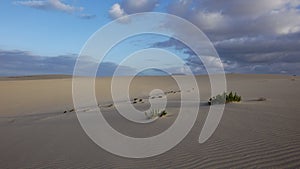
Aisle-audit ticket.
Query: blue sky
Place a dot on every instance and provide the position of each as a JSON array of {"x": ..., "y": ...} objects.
[
  {"x": 46, "y": 36},
  {"x": 50, "y": 32}
]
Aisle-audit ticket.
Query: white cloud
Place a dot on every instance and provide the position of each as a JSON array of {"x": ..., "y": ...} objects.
[
  {"x": 33, "y": 3},
  {"x": 49, "y": 5},
  {"x": 126, "y": 7},
  {"x": 116, "y": 12},
  {"x": 57, "y": 4}
]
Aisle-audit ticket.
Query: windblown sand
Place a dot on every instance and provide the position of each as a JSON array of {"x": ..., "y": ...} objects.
[{"x": 36, "y": 133}]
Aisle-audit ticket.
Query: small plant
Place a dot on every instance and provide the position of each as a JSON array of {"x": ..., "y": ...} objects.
[
  {"x": 155, "y": 113},
  {"x": 224, "y": 98},
  {"x": 69, "y": 111},
  {"x": 163, "y": 113},
  {"x": 137, "y": 100},
  {"x": 110, "y": 105}
]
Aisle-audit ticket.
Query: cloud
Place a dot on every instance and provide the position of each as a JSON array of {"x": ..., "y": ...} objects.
[
  {"x": 20, "y": 63},
  {"x": 258, "y": 36},
  {"x": 16, "y": 62},
  {"x": 116, "y": 11},
  {"x": 172, "y": 42},
  {"x": 180, "y": 8},
  {"x": 134, "y": 6},
  {"x": 246, "y": 55},
  {"x": 55, "y": 5},
  {"x": 127, "y": 7},
  {"x": 235, "y": 18},
  {"x": 250, "y": 36},
  {"x": 108, "y": 68},
  {"x": 50, "y": 5}
]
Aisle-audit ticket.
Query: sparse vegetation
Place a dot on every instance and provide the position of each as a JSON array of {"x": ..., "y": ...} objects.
[
  {"x": 163, "y": 113},
  {"x": 137, "y": 100},
  {"x": 69, "y": 111},
  {"x": 110, "y": 105},
  {"x": 224, "y": 98},
  {"x": 155, "y": 113}
]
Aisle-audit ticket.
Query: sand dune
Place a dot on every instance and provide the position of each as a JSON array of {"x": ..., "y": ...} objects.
[{"x": 36, "y": 133}]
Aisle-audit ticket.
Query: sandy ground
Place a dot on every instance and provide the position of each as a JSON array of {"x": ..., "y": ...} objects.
[{"x": 36, "y": 133}]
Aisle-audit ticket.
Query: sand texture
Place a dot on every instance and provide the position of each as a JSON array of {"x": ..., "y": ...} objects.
[{"x": 39, "y": 129}]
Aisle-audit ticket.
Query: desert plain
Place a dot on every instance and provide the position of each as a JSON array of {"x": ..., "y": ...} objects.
[{"x": 39, "y": 128}]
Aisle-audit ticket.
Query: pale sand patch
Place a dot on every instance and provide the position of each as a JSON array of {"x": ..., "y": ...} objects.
[{"x": 35, "y": 133}]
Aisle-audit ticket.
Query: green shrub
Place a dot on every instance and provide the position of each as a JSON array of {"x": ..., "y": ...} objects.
[{"x": 224, "y": 98}]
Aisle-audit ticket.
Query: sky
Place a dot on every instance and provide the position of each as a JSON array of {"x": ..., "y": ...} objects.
[{"x": 46, "y": 36}]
